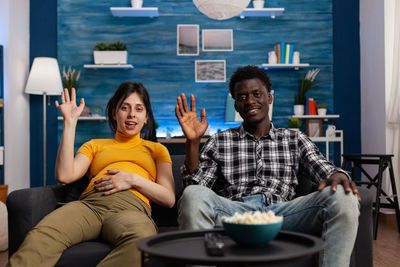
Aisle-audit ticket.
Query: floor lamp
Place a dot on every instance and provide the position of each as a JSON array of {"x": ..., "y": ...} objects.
[{"x": 44, "y": 79}]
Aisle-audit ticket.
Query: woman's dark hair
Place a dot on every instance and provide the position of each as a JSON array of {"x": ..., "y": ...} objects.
[
  {"x": 247, "y": 73},
  {"x": 124, "y": 90}
]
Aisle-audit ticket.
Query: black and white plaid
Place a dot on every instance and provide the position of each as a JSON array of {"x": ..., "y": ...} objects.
[{"x": 236, "y": 164}]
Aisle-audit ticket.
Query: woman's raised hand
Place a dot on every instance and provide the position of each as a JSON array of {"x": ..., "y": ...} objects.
[
  {"x": 192, "y": 127},
  {"x": 68, "y": 107}
]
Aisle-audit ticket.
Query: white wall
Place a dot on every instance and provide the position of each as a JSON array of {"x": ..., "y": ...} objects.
[
  {"x": 376, "y": 48},
  {"x": 14, "y": 36},
  {"x": 372, "y": 56},
  {"x": 392, "y": 129}
]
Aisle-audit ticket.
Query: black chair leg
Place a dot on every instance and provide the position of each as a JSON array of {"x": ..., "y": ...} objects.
[
  {"x": 394, "y": 191},
  {"x": 378, "y": 199}
]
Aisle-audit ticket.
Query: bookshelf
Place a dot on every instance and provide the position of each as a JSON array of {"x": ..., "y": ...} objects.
[
  {"x": 284, "y": 66},
  {"x": 87, "y": 118},
  {"x": 338, "y": 137},
  {"x": 316, "y": 117},
  {"x": 105, "y": 66},
  {"x": 262, "y": 12},
  {"x": 134, "y": 12}
]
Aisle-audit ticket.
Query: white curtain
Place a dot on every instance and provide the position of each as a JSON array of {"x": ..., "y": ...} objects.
[{"x": 393, "y": 95}]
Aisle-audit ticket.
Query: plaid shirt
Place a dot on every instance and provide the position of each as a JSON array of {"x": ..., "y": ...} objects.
[{"x": 236, "y": 164}]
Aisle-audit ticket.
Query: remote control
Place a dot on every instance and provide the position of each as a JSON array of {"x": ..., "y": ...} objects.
[{"x": 214, "y": 244}]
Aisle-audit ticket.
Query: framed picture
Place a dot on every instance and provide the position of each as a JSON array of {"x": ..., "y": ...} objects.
[
  {"x": 217, "y": 40},
  {"x": 210, "y": 70},
  {"x": 187, "y": 40}
]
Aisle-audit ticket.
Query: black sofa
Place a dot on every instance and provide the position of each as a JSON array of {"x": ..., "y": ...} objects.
[{"x": 26, "y": 207}]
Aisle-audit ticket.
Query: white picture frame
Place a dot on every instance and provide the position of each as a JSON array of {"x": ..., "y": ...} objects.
[
  {"x": 187, "y": 40},
  {"x": 217, "y": 40},
  {"x": 210, "y": 71}
]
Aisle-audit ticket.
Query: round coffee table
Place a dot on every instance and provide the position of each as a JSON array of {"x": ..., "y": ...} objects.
[{"x": 188, "y": 247}]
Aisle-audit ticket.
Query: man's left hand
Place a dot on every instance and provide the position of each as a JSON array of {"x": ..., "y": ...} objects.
[{"x": 339, "y": 178}]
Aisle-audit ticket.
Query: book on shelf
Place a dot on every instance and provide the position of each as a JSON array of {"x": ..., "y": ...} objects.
[
  {"x": 306, "y": 107},
  {"x": 287, "y": 50},
  {"x": 278, "y": 53},
  {"x": 291, "y": 54},
  {"x": 283, "y": 46},
  {"x": 284, "y": 53}
]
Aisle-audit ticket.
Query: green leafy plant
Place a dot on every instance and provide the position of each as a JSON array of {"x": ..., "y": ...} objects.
[
  {"x": 306, "y": 82},
  {"x": 70, "y": 78},
  {"x": 321, "y": 105},
  {"x": 295, "y": 123},
  {"x": 116, "y": 46}
]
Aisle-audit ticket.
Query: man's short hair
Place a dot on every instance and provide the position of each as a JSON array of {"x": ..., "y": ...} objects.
[{"x": 247, "y": 73}]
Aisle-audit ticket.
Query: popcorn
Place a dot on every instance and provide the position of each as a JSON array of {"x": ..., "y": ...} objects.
[{"x": 253, "y": 218}]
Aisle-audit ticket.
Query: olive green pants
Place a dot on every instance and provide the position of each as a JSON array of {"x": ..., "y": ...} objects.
[{"x": 120, "y": 219}]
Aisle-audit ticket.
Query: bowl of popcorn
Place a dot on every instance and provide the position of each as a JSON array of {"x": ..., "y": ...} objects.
[{"x": 252, "y": 229}]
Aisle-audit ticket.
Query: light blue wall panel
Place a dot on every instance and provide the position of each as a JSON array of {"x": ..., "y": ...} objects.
[{"x": 152, "y": 50}]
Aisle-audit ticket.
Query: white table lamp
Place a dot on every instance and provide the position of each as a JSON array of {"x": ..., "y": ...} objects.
[{"x": 44, "y": 79}]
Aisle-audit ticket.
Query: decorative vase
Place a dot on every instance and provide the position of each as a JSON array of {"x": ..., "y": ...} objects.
[
  {"x": 137, "y": 3},
  {"x": 321, "y": 111},
  {"x": 298, "y": 110},
  {"x": 258, "y": 4}
]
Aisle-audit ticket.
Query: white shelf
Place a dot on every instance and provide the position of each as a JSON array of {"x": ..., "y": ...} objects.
[
  {"x": 262, "y": 12},
  {"x": 87, "y": 118},
  {"x": 134, "y": 12},
  {"x": 325, "y": 139},
  {"x": 316, "y": 117},
  {"x": 105, "y": 66},
  {"x": 338, "y": 137},
  {"x": 284, "y": 66}
]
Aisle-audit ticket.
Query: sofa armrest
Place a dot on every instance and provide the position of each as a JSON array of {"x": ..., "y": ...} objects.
[
  {"x": 26, "y": 207},
  {"x": 363, "y": 248}
]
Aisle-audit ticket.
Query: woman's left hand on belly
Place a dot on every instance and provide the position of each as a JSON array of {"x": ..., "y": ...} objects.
[{"x": 116, "y": 180}]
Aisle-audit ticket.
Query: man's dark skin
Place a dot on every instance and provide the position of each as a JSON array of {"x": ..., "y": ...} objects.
[{"x": 252, "y": 101}]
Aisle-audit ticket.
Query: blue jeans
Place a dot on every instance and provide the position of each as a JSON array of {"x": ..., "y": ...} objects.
[{"x": 334, "y": 216}]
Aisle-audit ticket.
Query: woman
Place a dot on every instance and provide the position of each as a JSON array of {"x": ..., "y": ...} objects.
[{"x": 125, "y": 172}]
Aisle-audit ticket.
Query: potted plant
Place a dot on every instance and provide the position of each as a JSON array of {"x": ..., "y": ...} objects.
[
  {"x": 110, "y": 53},
  {"x": 295, "y": 123},
  {"x": 305, "y": 85},
  {"x": 321, "y": 108},
  {"x": 70, "y": 78}
]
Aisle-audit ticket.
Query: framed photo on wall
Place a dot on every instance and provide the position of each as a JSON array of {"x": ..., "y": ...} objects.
[
  {"x": 210, "y": 70},
  {"x": 187, "y": 40},
  {"x": 217, "y": 40}
]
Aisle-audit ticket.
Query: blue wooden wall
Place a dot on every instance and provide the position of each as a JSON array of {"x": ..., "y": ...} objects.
[{"x": 152, "y": 50}]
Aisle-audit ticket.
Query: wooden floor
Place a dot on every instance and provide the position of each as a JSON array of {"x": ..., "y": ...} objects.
[{"x": 386, "y": 247}]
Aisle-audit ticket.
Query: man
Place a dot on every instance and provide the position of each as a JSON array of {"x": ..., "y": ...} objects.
[{"x": 255, "y": 167}]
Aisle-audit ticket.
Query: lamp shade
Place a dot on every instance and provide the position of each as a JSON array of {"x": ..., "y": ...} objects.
[
  {"x": 221, "y": 9},
  {"x": 44, "y": 77}
]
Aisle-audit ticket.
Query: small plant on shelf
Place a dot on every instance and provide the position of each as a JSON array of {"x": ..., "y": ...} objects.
[
  {"x": 321, "y": 108},
  {"x": 295, "y": 123},
  {"x": 70, "y": 78},
  {"x": 110, "y": 53},
  {"x": 116, "y": 46}
]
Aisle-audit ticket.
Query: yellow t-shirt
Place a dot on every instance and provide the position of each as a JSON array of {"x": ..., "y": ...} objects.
[{"x": 132, "y": 155}]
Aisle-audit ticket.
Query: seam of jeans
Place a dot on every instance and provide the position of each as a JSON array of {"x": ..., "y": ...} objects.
[{"x": 299, "y": 211}]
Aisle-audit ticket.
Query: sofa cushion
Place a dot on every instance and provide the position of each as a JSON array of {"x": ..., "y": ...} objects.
[{"x": 84, "y": 254}]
